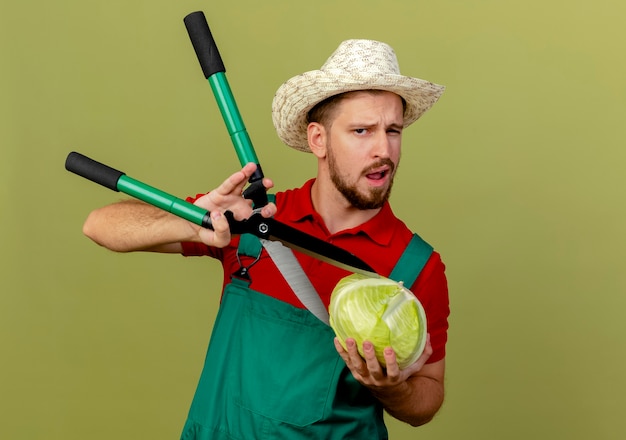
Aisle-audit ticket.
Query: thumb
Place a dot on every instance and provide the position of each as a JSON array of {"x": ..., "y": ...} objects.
[{"x": 220, "y": 235}]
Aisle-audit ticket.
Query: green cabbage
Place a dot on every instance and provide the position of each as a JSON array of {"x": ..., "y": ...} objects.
[{"x": 381, "y": 311}]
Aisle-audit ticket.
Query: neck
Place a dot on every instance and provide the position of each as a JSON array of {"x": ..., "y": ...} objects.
[{"x": 338, "y": 214}]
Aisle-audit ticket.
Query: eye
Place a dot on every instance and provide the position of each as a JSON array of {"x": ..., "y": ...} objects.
[{"x": 360, "y": 130}]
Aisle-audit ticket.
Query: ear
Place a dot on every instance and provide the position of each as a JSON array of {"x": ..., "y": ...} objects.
[{"x": 316, "y": 135}]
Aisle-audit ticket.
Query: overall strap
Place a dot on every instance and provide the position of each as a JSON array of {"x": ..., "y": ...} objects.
[
  {"x": 412, "y": 261},
  {"x": 249, "y": 246}
]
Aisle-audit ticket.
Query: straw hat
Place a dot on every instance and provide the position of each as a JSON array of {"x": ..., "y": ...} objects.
[{"x": 355, "y": 65}]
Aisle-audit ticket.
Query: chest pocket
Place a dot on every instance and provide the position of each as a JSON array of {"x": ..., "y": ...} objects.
[{"x": 287, "y": 363}]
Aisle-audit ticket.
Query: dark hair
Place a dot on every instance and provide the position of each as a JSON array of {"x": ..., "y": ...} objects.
[{"x": 323, "y": 112}]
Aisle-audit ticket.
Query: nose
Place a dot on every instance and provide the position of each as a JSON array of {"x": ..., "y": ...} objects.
[{"x": 382, "y": 146}]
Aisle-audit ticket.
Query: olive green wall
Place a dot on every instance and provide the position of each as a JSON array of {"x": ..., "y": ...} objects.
[{"x": 516, "y": 176}]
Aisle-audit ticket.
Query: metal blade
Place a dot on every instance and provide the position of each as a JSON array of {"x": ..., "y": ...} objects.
[{"x": 317, "y": 248}]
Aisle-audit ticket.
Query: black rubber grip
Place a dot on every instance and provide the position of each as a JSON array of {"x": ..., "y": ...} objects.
[
  {"x": 92, "y": 170},
  {"x": 204, "y": 44}
]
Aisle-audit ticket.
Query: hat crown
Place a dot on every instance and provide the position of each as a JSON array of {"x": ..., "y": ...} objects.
[{"x": 363, "y": 57}]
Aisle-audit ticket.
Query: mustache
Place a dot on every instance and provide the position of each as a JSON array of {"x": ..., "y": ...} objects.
[{"x": 378, "y": 164}]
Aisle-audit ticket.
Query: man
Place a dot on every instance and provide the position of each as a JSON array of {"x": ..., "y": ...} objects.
[{"x": 273, "y": 370}]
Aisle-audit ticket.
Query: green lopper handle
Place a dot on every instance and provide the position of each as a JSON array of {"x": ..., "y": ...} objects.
[
  {"x": 214, "y": 70},
  {"x": 119, "y": 181}
]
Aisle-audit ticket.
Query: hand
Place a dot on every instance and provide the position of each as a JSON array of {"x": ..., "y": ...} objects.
[
  {"x": 370, "y": 373},
  {"x": 228, "y": 197}
]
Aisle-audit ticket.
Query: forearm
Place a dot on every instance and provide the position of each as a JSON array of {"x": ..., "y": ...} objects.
[
  {"x": 415, "y": 401},
  {"x": 136, "y": 226}
]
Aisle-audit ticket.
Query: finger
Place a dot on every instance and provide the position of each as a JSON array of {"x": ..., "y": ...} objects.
[
  {"x": 373, "y": 366},
  {"x": 342, "y": 352},
  {"x": 249, "y": 169},
  {"x": 393, "y": 369},
  {"x": 353, "y": 366},
  {"x": 267, "y": 183},
  {"x": 353, "y": 351},
  {"x": 268, "y": 210},
  {"x": 235, "y": 183},
  {"x": 355, "y": 362},
  {"x": 220, "y": 235}
]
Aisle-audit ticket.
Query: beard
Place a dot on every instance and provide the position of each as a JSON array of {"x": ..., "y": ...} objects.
[{"x": 375, "y": 198}]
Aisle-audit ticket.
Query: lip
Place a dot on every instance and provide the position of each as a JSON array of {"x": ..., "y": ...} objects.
[
  {"x": 381, "y": 169},
  {"x": 384, "y": 170}
]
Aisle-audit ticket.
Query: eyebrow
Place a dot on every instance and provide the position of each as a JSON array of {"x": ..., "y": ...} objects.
[
  {"x": 393, "y": 125},
  {"x": 396, "y": 126}
]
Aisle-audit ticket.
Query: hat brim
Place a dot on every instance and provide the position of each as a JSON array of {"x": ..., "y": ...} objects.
[{"x": 296, "y": 97}]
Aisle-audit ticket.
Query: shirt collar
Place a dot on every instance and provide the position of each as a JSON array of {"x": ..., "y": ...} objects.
[
  {"x": 301, "y": 206},
  {"x": 377, "y": 228}
]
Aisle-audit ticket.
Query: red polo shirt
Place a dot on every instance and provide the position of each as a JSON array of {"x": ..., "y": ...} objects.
[{"x": 379, "y": 242}]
